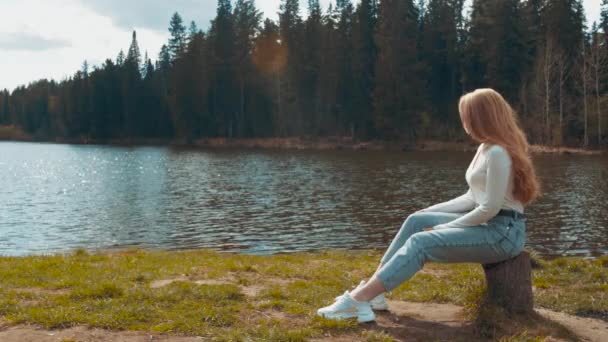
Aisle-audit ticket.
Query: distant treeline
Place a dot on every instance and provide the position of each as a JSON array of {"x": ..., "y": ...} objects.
[{"x": 389, "y": 69}]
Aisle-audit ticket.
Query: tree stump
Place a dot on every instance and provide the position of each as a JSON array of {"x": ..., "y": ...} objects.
[{"x": 509, "y": 284}]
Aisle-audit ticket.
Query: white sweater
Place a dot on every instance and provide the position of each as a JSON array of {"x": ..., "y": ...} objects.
[{"x": 490, "y": 181}]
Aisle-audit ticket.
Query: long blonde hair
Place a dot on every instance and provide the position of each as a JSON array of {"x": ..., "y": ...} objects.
[{"x": 489, "y": 118}]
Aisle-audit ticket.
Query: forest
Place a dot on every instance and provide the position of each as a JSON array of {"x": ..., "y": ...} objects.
[{"x": 386, "y": 70}]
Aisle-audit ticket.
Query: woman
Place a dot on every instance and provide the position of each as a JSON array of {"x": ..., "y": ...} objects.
[{"x": 485, "y": 225}]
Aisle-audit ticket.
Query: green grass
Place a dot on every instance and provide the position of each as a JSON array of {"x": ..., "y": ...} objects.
[{"x": 265, "y": 298}]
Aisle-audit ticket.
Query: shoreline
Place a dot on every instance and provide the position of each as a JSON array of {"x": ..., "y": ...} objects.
[{"x": 10, "y": 133}]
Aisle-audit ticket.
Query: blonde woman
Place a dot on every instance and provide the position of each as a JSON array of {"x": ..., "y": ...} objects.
[{"x": 485, "y": 225}]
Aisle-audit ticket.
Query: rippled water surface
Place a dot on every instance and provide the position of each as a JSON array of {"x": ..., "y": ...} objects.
[{"x": 59, "y": 197}]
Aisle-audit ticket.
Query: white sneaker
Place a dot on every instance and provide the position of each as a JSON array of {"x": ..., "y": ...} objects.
[
  {"x": 346, "y": 307},
  {"x": 379, "y": 303}
]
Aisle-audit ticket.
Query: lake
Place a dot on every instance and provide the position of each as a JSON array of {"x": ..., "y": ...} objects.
[{"x": 54, "y": 198}]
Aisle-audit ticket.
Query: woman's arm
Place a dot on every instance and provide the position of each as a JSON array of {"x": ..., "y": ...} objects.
[
  {"x": 459, "y": 204},
  {"x": 497, "y": 182}
]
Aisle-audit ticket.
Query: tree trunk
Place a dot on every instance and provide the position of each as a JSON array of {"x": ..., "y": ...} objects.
[
  {"x": 586, "y": 138},
  {"x": 547, "y": 74},
  {"x": 597, "y": 100},
  {"x": 510, "y": 284},
  {"x": 561, "y": 104}
]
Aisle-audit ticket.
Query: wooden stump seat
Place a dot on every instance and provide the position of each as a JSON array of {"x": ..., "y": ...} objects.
[{"x": 509, "y": 284}]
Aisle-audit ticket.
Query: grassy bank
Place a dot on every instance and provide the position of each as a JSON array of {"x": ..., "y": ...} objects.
[{"x": 238, "y": 297}]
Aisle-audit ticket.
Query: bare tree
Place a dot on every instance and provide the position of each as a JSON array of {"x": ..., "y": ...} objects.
[
  {"x": 562, "y": 64},
  {"x": 548, "y": 67},
  {"x": 585, "y": 78},
  {"x": 599, "y": 63}
]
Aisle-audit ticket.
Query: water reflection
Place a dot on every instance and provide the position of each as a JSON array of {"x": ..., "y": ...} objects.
[{"x": 59, "y": 197}]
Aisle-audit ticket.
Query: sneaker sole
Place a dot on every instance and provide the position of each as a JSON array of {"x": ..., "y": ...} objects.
[
  {"x": 380, "y": 308},
  {"x": 361, "y": 319},
  {"x": 366, "y": 318}
]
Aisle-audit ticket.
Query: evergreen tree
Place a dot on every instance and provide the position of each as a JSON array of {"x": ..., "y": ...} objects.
[
  {"x": 364, "y": 62},
  {"x": 533, "y": 38},
  {"x": 164, "y": 58},
  {"x": 312, "y": 59},
  {"x": 144, "y": 66},
  {"x": 369, "y": 72},
  {"x": 163, "y": 66},
  {"x": 190, "y": 84},
  {"x": 290, "y": 25},
  {"x": 120, "y": 59},
  {"x": 85, "y": 69},
  {"x": 440, "y": 49},
  {"x": 4, "y": 108},
  {"x": 344, "y": 49},
  {"x": 604, "y": 18},
  {"x": 131, "y": 91},
  {"x": 246, "y": 25},
  {"x": 178, "y": 39},
  {"x": 398, "y": 95},
  {"x": 329, "y": 75},
  {"x": 507, "y": 59},
  {"x": 193, "y": 30},
  {"x": 269, "y": 57},
  {"x": 223, "y": 61},
  {"x": 134, "y": 56}
]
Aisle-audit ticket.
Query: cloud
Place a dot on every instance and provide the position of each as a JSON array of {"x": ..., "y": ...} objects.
[
  {"x": 153, "y": 14},
  {"x": 29, "y": 42}
]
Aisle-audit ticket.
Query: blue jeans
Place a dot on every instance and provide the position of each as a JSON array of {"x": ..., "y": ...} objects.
[{"x": 499, "y": 239}]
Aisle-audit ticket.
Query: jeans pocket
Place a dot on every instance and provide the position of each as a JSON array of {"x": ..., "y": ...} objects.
[
  {"x": 507, "y": 246},
  {"x": 509, "y": 237}
]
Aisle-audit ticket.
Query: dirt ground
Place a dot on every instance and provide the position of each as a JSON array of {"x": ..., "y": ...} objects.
[{"x": 406, "y": 321}]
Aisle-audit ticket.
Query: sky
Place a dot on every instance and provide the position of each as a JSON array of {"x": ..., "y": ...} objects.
[{"x": 51, "y": 39}]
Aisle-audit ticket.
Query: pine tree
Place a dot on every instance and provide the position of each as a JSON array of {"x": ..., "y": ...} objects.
[
  {"x": 85, "y": 69},
  {"x": 364, "y": 62},
  {"x": 291, "y": 28},
  {"x": 134, "y": 56},
  {"x": 474, "y": 47},
  {"x": 144, "y": 66},
  {"x": 190, "y": 84},
  {"x": 4, "y": 108},
  {"x": 131, "y": 90},
  {"x": 329, "y": 75},
  {"x": 369, "y": 72},
  {"x": 506, "y": 62},
  {"x": 533, "y": 38},
  {"x": 164, "y": 66},
  {"x": 120, "y": 59},
  {"x": 312, "y": 59},
  {"x": 604, "y": 18},
  {"x": 269, "y": 58},
  {"x": 149, "y": 67},
  {"x": 246, "y": 25},
  {"x": 289, "y": 19},
  {"x": 193, "y": 30},
  {"x": 164, "y": 58},
  {"x": 178, "y": 39},
  {"x": 440, "y": 49},
  {"x": 344, "y": 54},
  {"x": 399, "y": 94},
  {"x": 223, "y": 60}
]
